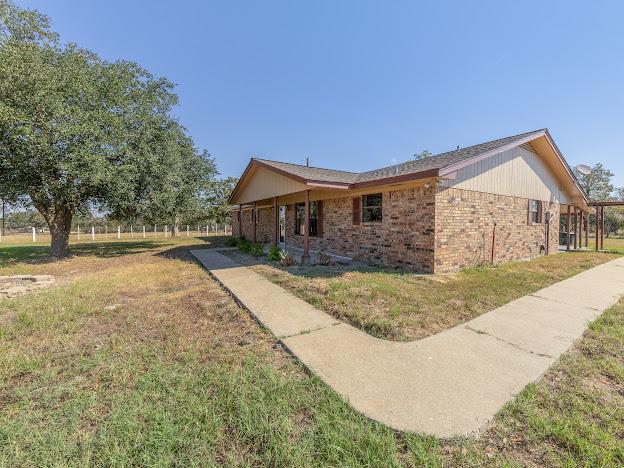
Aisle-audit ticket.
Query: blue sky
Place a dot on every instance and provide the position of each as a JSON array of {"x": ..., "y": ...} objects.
[{"x": 357, "y": 85}]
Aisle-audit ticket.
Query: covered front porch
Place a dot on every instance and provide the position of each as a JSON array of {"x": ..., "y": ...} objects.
[
  {"x": 272, "y": 221},
  {"x": 574, "y": 230}
]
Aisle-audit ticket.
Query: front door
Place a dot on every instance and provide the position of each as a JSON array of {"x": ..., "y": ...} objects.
[{"x": 282, "y": 225}]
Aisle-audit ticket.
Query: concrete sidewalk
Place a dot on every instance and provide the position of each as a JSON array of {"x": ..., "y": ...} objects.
[{"x": 450, "y": 384}]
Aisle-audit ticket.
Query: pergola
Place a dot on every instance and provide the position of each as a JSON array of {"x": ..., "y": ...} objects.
[{"x": 599, "y": 206}]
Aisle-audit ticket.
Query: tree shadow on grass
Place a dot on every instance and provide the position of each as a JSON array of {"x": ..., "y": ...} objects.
[
  {"x": 183, "y": 252},
  {"x": 41, "y": 253}
]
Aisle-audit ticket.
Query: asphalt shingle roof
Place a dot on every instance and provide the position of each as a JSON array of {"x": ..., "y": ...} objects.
[{"x": 438, "y": 161}]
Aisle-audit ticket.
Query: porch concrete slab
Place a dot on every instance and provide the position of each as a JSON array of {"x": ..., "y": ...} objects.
[
  {"x": 276, "y": 309},
  {"x": 449, "y": 384}
]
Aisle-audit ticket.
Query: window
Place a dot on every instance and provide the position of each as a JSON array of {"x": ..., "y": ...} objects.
[
  {"x": 371, "y": 208},
  {"x": 535, "y": 211},
  {"x": 300, "y": 218}
]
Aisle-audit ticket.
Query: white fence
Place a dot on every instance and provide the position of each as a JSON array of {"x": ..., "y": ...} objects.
[{"x": 112, "y": 232}]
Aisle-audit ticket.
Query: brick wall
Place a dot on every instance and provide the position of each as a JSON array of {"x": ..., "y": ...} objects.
[
  {"x": 464, "y": 223},
  {"x": 264, "y": 227},
  {"x": 404, "y": 238}
]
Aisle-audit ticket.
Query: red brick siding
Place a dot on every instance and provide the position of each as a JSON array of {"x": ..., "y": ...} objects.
[
  {"x": 404, "y": 238},
  {"x": 465, "y": 222},
  {"x": 264, "y": 227}
]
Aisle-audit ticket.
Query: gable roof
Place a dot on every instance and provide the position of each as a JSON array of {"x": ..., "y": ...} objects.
[{"x": 433, "y": 166}]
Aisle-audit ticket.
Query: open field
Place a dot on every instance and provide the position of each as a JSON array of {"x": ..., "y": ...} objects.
[
  {"x": 401, "y": 306},
  {"x": 136, "y": 357},
  {"x": 612, "y": 244}
]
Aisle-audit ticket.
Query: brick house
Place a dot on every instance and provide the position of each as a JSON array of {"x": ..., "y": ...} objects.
[{"x": 493, "y": 202}]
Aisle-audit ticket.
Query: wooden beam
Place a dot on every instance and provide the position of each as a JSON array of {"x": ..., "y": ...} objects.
[
  {"x": 575, "y": 228},
  {"x": 580, "y": 237},
  {"x": 254, "y": 219},
  {"x": 568, "y": 229},
  {"x": 275, "y": 222},
  {"x": 240, "y": 221},
  {"x": 306, "y": 230},
  {"x": 586, "y": 229},
  {"x": 602, "y": 227},
  {"x": 597, "y": 224}
]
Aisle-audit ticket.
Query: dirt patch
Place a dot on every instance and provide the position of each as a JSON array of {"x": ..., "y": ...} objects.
[{"x": 17, "y": 285}]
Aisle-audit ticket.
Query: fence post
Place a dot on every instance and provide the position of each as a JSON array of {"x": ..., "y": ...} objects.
[
  {"x": 198, "y": 230},
  {"x": 79, "y": 232},
  {"x": 131, "y": 231},
  {"x": 34, "y": 235},
  {"x": 165, "y": 230},
  {"x": 118, "y": 232},
  {"x": 187, "y": 230},
  {"x": 106, "y": 231},
  {"x": 155, "y": 230},
  {"x": 92, "y": 233},
  {"x": 143, "y": 232}
]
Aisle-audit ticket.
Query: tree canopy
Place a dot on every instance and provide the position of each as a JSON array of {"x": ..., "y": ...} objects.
[
  {"x": 597, "y": 184},
  {"x": 77, "y": 131}
]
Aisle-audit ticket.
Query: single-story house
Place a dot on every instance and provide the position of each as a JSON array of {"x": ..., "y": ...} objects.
[{"x": 492, "y": 202}]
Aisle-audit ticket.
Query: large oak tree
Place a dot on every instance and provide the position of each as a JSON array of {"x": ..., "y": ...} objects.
[{"x": 78, "y": 131}]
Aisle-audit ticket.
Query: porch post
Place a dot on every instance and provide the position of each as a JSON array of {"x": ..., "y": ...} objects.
[
  {"x": 580, "y": 237},
  {"x": 306, "y": 230},
  {"x": 568, "y": 230},
  {"x": 602, "y": 227},
  {"x": 240, "y": 221},
  {"x": 597, "y": 224},
  {"x": 575, "y": 228},
  {"x": 586, "y": 229},
  {"x": 254, "y": 219},
  {"x": 275, "y": 221}
]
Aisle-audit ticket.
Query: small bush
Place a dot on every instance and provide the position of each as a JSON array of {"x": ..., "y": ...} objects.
[
  {"x": 256, "y": 249},
  {"x": 286, "y": 259},
  {"x": 231, "y": 242},
  {"x": 274, "y": 254},
  {"x": 323, "y": 256},
  {"x": 244, "y": 245}
]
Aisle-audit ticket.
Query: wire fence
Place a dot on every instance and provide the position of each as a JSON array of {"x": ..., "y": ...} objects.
[{"x": 115, "y": 232}]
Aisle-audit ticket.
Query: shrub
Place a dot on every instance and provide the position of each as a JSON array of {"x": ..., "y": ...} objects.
[
  {"x": 323, "y": 256},
  {"x": 286, "y": 259},
  {"x": 244, "y": 245},
  {"x": 231, "y": 242},
  {"x": 274, "y": 254},
  {"x": 256, "y": 249}
]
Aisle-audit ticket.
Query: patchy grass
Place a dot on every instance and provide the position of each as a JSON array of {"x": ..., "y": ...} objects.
[
  {"x": 138, "y": 358},
  {"x": 611, "y": 244},
  {"x": 402, "y": 306}
]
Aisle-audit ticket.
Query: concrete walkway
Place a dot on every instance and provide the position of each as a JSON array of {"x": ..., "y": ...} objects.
[{"x": 450, "y": 384}]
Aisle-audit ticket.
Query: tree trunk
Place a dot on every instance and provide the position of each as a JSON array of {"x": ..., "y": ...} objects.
[{"x": 60, "y": 226}]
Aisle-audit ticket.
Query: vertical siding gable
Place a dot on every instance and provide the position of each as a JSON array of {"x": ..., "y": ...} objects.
[{"x": 518, "y": 172}]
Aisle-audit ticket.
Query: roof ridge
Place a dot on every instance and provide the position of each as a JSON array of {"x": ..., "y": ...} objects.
[
  {"x": 452, "y": 151},
  {"x": 303, "y": 165}
]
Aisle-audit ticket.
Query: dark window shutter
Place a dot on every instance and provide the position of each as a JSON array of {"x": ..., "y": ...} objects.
[
  {"x": 357, "y": 216},
  {"x": 319, "y": 218}
]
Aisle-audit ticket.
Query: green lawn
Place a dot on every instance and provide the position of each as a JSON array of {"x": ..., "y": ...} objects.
[
  {"x": 401, "y": 306},
  {"x": 136, "y": 357}
]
